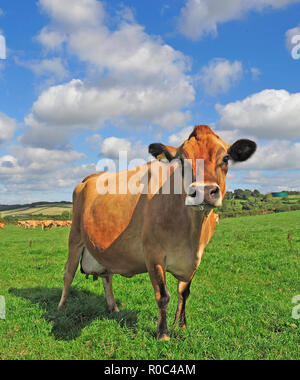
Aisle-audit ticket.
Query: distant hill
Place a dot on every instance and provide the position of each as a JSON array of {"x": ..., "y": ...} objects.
[
  {"x": 36, "y": 208},
  {"x": 33, "y": 205}
]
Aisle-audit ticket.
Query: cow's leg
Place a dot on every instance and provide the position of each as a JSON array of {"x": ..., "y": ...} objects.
[
  {"x": 183, "y": 293},
  {"x": 110, "y": 299},
  {"x": 75, "y": 251},
  {"x": 162, "y": 296}
]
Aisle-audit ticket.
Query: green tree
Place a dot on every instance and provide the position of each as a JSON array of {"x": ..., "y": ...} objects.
[{"x": 256, "y": 194}]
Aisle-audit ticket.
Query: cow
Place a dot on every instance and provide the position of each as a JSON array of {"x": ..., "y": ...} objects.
[
  {"x": 47, "y": 224},
  {"x": 2, "y": 226},
  {"x": 133, "y": 233}
]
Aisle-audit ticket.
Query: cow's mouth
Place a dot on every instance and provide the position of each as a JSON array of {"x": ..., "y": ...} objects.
[{"x": 203, "y": 197}]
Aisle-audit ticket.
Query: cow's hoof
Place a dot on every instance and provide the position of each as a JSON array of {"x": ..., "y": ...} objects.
[
  {"x": 164, "y": 337},
  {"x": 113, "y": 309}
]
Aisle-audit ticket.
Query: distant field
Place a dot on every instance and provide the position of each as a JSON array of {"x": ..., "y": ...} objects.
[
  {"x": 240, "y": 305},
  {"x": 44, "y": 210}
]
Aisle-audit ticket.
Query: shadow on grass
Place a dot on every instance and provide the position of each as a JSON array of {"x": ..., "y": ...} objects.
[{"x": 82, "y": 309}]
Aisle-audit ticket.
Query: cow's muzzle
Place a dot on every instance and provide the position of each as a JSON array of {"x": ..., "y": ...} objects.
[{"x": 204, "y": 195}]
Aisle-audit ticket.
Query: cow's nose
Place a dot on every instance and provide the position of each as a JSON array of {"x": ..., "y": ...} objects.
[{"x": 212, "y": 195}]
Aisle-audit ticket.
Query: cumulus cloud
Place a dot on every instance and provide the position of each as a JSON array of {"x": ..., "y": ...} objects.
[
  {"x": 255, "y": 72},
  {"x": 94, "y": 141},
  {"x": 141, "y": 81},
  {"x": 73, "y": 14},
  {"x": 220, "y": 75},
  {"x": 7, "y": 127},
  {"x": 269, "y": 114},
  {"x": 272, "y": 181},
  {"x": 36, "y": 160},
  {"x": 50, "y": 39},
  {"x": 112, "y": 146},
  {"x": 200, "y": 17},
  {"x": 176, "y": 139},
  {"x": 26, "y": 170},
  {"x": 275, "y": 155},
  {"x": 53, "y": 67}
]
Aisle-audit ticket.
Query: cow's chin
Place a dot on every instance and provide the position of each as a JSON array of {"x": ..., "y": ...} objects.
[
  {"x": 190, "y": 202},
  {"x": 202, "y": 208}
]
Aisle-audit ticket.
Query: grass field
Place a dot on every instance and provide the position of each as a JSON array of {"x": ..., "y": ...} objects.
[{"x": 240, "y": 305}]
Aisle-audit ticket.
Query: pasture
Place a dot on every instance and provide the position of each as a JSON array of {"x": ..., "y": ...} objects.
[{"x": 240, "y": 305}]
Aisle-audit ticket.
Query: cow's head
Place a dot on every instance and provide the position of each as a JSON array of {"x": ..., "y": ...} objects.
[{"x": 204, "y": 144}]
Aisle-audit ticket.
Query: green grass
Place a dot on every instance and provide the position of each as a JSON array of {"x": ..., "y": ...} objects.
[{"x": 240, "y": 305}]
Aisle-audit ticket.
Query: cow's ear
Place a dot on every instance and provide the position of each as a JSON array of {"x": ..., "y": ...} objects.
[
  {"x": 162, "y": 152},
  {"x": 241, "y": 150}
]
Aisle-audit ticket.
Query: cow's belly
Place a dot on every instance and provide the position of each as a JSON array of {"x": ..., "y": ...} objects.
[{"x": 124, "y": 257}]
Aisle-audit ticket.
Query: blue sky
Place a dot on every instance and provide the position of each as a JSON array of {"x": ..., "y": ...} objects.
[{"x": 84, "y": 79}]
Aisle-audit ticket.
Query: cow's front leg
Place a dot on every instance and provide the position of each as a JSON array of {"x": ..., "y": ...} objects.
[
  {"x": 183, "y": 293},
  {"x": 162, "y": 296}
]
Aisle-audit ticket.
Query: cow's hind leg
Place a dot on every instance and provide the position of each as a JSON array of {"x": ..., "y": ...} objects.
[
  {"x": 75, "y": 251},
  {"x": 183, "y": 293},
  {"x": 162, "y": 296},
  {"x": 110, "y": 299}
]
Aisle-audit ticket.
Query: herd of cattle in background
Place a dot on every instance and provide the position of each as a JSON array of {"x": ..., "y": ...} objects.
[
  {"x": 53, "y": 223},
  {"x": 41, "y": 223}
]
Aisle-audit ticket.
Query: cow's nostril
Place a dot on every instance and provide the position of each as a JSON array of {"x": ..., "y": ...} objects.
[
  {"x": 193, "y": 193},
  {"x": 214, "y": 192}
]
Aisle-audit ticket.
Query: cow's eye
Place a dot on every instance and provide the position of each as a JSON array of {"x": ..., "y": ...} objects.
[{"x": 226, "y": 159}]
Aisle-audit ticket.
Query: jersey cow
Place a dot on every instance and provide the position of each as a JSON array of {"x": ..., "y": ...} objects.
[{"x": 155, "y": 232}]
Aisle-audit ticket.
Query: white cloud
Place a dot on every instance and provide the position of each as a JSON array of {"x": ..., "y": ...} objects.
[
  {"x": 272, "y": 181},
  {"x": 200, "y": 17},
  {"x": 73, "y": 14},
  {"x": 51, "y": 39},
  {"x": 7, "y": 127},
  {"x": 36, "y": 160},
  {"x": 178, "y": 138},
  {"x": 53, "y": 67},
  {"x": 276, "y": 155},
  {"x": 269, "y": 114},
  {"x": 220, "y": 75},
  {"x": 112, "y": 146},
  {"x": 255, "y": 72},
  {"x": 140, "y": 80},
  {"x": 94, "y": 141},
  {"x": 26, "y": 170}
]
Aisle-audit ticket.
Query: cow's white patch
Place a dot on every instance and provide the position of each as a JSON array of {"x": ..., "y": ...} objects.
[{"x": 91, "y": 266}]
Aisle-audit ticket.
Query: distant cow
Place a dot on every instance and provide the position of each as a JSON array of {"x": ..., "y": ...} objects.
[
  {"x": 2, "y": 226},
  {"x": 129, "y": 233}
]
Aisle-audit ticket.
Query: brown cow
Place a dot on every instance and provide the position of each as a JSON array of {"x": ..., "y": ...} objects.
[
  {"x": 2, "y": 226},
  {"x": 153, "y": 232}
]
